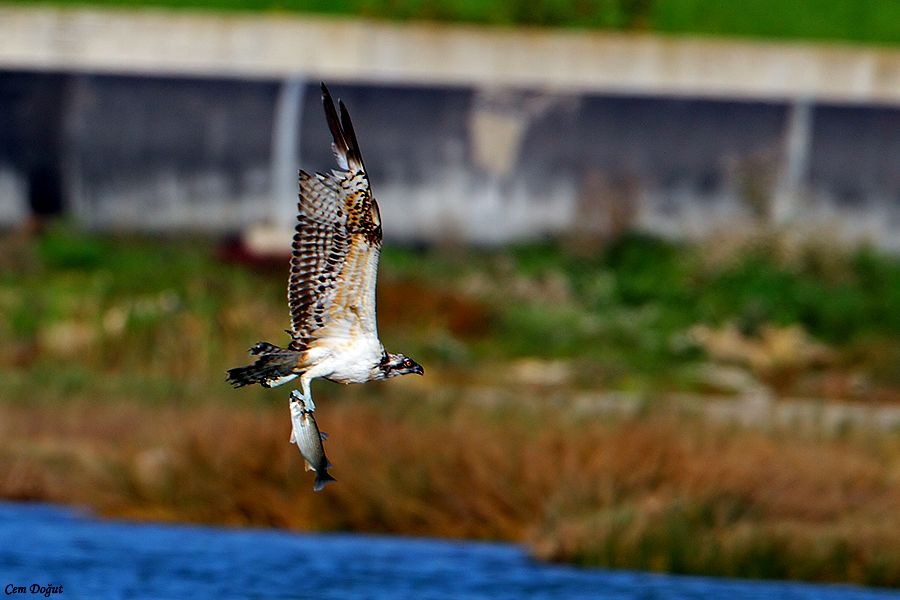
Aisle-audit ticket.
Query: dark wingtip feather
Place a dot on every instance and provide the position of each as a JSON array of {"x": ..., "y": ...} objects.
[
  {"x": 350, "y": 135},
  {"x": 326, "y": 95},
  {"x": 334, "y": 124},
  {"x": 345, "y": 144}
]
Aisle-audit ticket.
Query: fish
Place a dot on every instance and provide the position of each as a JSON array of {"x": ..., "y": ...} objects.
[{"x": 309, "y": 440}]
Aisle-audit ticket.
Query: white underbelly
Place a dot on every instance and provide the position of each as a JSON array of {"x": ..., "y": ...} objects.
[{"x": 345, "y": 362}]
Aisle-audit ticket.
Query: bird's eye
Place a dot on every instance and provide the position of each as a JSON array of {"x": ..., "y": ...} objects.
[{"x": 407, "y": 363}]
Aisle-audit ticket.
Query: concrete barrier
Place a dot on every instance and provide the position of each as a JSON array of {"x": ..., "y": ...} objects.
[
  {"x": 155, "y": 120},
  {"x": 278, "y": 45}
]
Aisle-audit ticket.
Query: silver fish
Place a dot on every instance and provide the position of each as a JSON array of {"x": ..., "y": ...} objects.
[{"x": 309, "y": 440}]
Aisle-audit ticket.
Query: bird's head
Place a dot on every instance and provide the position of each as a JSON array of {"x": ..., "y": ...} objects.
[{"x": 393, "y": 365}]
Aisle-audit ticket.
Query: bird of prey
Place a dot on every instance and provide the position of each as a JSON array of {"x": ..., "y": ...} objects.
[{"x": 331, "y": 288}]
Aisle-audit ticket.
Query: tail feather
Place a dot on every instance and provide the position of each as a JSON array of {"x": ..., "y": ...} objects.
[
  {"x": 263, "y": 348},
  {"x": 273, "y": 367}
]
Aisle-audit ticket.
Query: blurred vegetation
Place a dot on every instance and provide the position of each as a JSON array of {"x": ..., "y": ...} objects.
[
  {"x": 871, "y": 21},
  {"x": 631, "y": 307},
  {"x": 638, "y": 313},
  {"x": 653, "y": 491},
  {"x": 112, "y": 395}
]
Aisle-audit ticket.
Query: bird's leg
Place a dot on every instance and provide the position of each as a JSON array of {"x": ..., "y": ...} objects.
[{"x": 307, "y": 394}]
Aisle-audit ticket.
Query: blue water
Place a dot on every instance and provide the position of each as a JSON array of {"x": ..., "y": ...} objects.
[{"x": 92, "y": 559}]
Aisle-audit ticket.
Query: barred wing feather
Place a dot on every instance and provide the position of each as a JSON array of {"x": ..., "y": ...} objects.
[{"x": 334, "y": 263}]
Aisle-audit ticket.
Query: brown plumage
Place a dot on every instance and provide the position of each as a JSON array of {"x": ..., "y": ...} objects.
[{"x": 331, "y": 288}]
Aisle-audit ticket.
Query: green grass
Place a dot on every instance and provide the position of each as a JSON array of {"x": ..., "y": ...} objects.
[
  {"x": 171, "y": 314},
  {"x": 867, "y": 21},
  {"x": 624, "y": 306}
]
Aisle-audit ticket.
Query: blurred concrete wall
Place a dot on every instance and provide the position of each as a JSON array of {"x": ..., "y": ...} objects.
[
  {"x": 484, "y": 160},
  {"x": 279, "y": 45}
]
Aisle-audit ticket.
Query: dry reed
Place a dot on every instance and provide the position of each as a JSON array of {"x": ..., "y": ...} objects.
[{"x": 656, "y": 492}]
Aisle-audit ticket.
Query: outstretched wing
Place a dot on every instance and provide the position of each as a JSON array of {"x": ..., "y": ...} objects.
[{"x": 334, "y": 264}]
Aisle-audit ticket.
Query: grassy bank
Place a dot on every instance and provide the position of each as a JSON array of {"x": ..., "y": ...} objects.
[
  {"x": 869, "y": 21},
  {"x": 803, "y": 317},
  {"x": 112, "y": 395},
  {"x": 657, "y": 492}
]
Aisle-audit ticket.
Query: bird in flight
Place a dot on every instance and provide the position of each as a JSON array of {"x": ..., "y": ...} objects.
[{"x": 331, "y": 288}]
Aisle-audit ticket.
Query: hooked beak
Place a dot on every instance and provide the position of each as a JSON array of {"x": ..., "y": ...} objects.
[{"x": 417, "y": 369}]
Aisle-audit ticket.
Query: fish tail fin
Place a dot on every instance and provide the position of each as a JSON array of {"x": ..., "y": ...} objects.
[
  {"x": 274, "y": 367},
  {"x": 321, "y": 480}
]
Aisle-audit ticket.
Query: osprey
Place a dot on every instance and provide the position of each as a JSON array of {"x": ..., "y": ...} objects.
[{"x": 331, "y": 288}]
